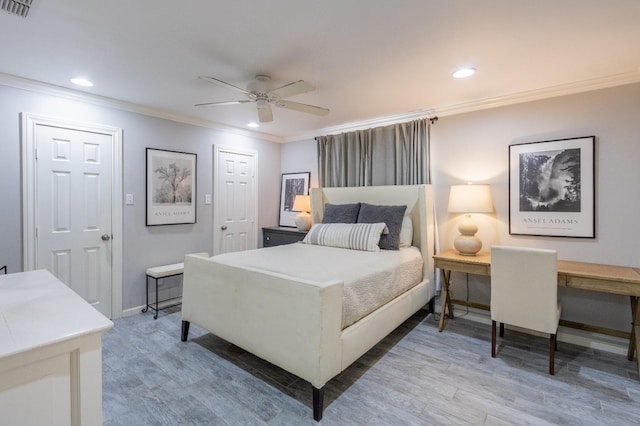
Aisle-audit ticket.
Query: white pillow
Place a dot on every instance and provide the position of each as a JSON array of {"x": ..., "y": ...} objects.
[
  {"x": 355, "y": 236},
  {"x": 406, "y": 232}
]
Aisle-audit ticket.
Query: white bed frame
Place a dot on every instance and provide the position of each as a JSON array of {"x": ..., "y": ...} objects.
[{"x": 296, "y": 324}]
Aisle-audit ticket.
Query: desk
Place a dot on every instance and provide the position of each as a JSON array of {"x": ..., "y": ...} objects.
[
  {"x": 50, "y": 352},
  {"x": 587, "y": 276}
]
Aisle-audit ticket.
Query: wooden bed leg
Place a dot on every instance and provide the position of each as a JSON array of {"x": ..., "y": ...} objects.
[
  {"x": 493, "y": 339},
  {"x": 185, "y": 330},
  {"x": 318, "y": 402}
]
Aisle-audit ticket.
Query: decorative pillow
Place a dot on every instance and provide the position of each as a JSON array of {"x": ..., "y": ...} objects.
[
  {"x": 390, "y": 215},
  {"x": 340, "y": 213},
  {"x": 406, "y": 232},
  {"x": 355, "y": 236}
]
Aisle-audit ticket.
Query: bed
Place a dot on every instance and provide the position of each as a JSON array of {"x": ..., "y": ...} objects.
[{"x": 296, "y": 318}]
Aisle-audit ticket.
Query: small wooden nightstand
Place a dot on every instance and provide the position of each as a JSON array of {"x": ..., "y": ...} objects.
[{"x": 278, "y": 235}]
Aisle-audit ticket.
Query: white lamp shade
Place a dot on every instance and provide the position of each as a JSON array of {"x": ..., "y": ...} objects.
[
  {"x": 301, "y": 203},
  {"x": 470, "y": 199}
]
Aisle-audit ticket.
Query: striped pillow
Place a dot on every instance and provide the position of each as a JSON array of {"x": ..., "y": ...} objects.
[{"x": 354, "y": 236}]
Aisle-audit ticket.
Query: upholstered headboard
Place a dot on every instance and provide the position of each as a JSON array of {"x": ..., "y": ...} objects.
[{"x": 417, "y": 198}]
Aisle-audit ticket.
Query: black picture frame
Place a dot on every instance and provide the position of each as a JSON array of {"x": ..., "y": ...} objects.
[
  {"x": 170, "y": 187},
  {"x": 552, "y": 188},
  {"x": 292, "y": 184}
]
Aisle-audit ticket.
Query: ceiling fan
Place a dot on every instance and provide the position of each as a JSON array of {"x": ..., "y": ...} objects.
[{"x": 257, "y": 92}]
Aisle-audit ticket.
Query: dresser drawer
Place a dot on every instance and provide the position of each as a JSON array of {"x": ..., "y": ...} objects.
[{"x": 277, "y": 236}]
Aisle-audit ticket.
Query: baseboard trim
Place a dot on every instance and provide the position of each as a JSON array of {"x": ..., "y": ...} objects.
[{"x": 132, "y": 311}]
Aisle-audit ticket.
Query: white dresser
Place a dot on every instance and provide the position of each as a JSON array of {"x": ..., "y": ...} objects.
[{"x": 50, "y": 353}]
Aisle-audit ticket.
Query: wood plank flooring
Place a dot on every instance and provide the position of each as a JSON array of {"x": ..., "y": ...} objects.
[{"x": 416, "y": 376}]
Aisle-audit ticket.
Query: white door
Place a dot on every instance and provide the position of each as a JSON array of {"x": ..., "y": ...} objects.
[
  {"x": 73, "y": 210},
  {"x": 235, "y": 201}
]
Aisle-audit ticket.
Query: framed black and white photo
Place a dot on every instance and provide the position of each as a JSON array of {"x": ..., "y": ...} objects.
[
  {"x": 292, "y": 184},
  {"x": 171, "y": 187},
  {"x": 552, "y": 188}
]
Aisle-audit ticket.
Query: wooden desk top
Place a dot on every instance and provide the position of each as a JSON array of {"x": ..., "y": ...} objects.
[{"x": 588, "y": 276}]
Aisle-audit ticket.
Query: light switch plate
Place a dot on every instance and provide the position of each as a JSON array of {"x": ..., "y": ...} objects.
[
  {"x": 128, "y": 199},
  {"x": 207, "y": 198}
]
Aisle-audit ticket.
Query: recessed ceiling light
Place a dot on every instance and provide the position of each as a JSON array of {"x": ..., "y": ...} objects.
[
  {"x": 253, "y": 125},
  {"x": 464, "y": 72},
  {"x": 82, "y": 82}
]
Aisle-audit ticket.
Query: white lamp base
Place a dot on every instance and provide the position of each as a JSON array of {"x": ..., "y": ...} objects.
[
  {"x": 303, "y": 221},
  {"x": 467, "y": 243}
]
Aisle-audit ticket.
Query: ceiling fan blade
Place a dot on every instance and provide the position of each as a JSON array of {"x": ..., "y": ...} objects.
[
  {"x": 210, "y": 104},
  {"x": 292, "y": 89},
  {"x": 265, "y": 114},
  {"x": 223, "y": 84},
  {"x": 297, "y": 106}
]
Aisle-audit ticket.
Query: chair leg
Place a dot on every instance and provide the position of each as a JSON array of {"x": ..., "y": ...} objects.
[
  {"x": 552, "y": 353},
  {"x": 493, "y": 339},
  {"x": 501, "y": 329}
]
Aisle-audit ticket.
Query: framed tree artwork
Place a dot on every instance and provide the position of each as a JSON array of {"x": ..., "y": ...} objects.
[
  {"x": 552, "y": 188},
  {"x": 292, "y": 184},
  {"x": 171, "y": 187}
]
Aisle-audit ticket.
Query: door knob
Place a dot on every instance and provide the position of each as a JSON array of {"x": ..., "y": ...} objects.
[
  {"x": 223, "y": 227},
  {"x": 106, "y": 237}
]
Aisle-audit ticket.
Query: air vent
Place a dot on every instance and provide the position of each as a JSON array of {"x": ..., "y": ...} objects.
[{"x": 16, "y": 7}]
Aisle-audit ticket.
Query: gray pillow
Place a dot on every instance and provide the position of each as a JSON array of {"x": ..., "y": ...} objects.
[
  {"x": 340, "y": 213},
  {"x": 391, "y": 215}
]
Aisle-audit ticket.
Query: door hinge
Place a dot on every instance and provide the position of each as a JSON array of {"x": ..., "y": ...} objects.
[
  {"x": 36, "y": 232},
  {"x": 35, "y": 153}
]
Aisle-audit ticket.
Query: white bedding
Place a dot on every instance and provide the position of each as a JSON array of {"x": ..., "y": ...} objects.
[{"x": 371, "y": 279}]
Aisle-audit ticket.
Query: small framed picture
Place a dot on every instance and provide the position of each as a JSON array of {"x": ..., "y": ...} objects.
[
  {"x": 292, "y": 184},
  {"x": 171, "y": 187},
  {"x": 552, "y": 188}
]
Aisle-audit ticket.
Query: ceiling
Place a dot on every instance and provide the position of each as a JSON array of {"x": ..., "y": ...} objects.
[{"x": 370, "y": 61}]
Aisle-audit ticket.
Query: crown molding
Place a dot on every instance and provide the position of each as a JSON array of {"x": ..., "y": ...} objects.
[
  {"x": 629, "y": 77},
  {"x": 482, "y": 104},
  {"x": 543, "y": 93},
  {"x": 103, "y": 101},
  {"x": 365, "y": 124}
]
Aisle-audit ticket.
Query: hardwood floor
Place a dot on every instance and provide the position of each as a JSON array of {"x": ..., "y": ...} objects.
[{"x": 416, "y": 376}]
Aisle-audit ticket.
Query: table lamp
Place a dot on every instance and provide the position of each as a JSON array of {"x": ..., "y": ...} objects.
[
  {"x": 302, "y": 204},
  {"x": 469, "y": 199}
]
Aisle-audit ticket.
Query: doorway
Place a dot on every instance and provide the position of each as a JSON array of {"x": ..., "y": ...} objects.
[
  {"x": 72, "y": 206},
  {"x": 235, "y": 200}
]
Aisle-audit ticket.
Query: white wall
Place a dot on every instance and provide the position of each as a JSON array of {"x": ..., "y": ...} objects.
[
  {"x": 301, "y": 157},
  {"x": 143, "y": 246},
  {"x": 474, "y": 147}
]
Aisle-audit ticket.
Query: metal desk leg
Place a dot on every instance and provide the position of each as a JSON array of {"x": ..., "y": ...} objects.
[
  {"x": 156, "y": 315},
  {"x": 446, "y": 299},
  {"x": 146, "y": 307},
  {"x": 632, "y": 339},
  {"x": 634, "y": 342}
]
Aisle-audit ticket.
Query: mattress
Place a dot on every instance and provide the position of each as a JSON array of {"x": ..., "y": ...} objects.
[{"x": 371, "y": 279}]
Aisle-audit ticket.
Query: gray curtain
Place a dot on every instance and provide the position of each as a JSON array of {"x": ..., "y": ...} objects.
[
  {"x": 390, "y": 155},
  {"x": 345, "y": 159},
  {"x": 410, "y": 153}
]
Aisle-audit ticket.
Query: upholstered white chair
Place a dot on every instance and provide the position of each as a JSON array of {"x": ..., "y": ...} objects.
[{"x": 524, "y": 292}]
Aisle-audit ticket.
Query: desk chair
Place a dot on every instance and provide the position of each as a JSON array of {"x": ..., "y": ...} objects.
[{"x": 524, "y": 292}]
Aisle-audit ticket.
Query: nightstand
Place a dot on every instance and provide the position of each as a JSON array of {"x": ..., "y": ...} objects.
[{"x": 278, "y": 235}]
